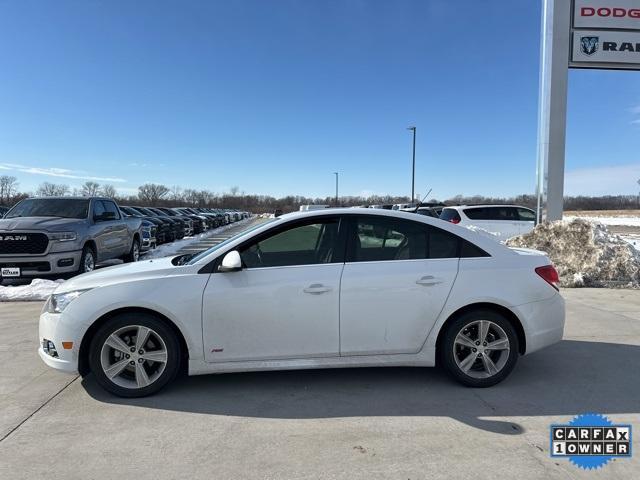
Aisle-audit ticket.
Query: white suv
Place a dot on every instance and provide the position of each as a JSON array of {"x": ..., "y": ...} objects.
[{"x": 503, "y": 221}]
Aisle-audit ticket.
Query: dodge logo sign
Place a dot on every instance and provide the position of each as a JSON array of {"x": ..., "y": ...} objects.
[
  {"x": 14, "y": 238},
  {"x": 589, "y": 45}
]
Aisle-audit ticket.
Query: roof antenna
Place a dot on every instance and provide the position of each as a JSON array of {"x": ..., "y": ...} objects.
[{"x": 425, "y": 197}]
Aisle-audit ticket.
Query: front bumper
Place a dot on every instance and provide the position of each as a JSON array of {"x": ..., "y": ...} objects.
[
  {"x": 38, "y": 265},
  {"x": 58, "y": 363},
  {"x": 53, "y": 328}
]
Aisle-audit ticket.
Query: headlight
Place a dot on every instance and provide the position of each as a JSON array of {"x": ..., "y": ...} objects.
[
  {"x": 57, "y": 302},
  {"x": 62, "y": 236}
]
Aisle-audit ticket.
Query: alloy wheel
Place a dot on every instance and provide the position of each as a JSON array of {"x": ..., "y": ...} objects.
[
  {"x": 89, "y": 262},
  {"x": 481, "y": 349},
  {"x": 134, "y": 356}
]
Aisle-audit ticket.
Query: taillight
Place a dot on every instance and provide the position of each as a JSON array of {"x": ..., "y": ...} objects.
[
  {"x": 455, "y": 220},
  {"x": 549, "y": 275}
]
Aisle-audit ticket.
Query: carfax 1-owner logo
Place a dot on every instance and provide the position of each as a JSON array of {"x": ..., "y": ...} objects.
[{"x": 591, "y": 440}]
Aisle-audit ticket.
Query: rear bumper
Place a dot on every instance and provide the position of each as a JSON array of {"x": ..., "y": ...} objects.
[
  {"x": 543, "y": 322},
  {"x": 39, "y": 265}
]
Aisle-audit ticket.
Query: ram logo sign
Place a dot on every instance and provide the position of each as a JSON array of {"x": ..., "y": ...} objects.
[
  {"x": 589, "y": 45},
  {"x": 606, "y": 49},
  {"x": 13, "y": 238}
]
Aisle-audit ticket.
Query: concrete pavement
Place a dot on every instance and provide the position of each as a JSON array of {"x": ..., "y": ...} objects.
[{"x": 352, "y": 423}]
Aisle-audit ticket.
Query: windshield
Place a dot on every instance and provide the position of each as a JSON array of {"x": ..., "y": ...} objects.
[
  {"x": 130, "y": 211},
  {"x": 201, "y": 255},
  {"x": 146, "y": 211},
  {"x": 51, "y": 207}
]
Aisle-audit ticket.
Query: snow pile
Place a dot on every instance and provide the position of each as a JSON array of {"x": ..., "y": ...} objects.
[
  {"x": 493, "y": 235},
  {"x": 39, "y": 289},
  {"x": 170, "y": 249},
  {"x": 584, "y": 253}
]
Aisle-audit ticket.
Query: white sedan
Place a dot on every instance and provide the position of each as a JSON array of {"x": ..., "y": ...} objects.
[{"x": 321, "y": 289}]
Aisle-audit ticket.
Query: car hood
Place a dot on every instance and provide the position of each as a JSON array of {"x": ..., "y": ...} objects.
[
  {"x": 52, "y": 224},
  {"x": 127, "y": 272}
]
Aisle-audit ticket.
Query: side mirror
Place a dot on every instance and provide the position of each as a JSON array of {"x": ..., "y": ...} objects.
[{"x": 231, "y": 262}]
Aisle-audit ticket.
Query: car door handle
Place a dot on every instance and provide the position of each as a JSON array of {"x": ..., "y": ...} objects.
[
  {"x": 428, "y": 280},
  {"x": 317, "y": 288}
]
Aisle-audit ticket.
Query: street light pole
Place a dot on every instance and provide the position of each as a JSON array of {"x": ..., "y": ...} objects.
[
  {"x": 336, "y": 174},
  {"x": 413, "y": 168}
]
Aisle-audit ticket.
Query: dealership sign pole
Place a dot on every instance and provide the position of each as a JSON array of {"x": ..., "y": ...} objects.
[{"x": 601, "y": 34}]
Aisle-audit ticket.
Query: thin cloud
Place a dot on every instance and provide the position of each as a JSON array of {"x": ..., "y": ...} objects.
[
  {"x": 58, "y": 172},
  {"x": 145, "y": 165},
  {"x": 635, "y": 111}
]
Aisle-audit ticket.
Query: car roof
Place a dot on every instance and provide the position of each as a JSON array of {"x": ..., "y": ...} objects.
[{"x": 75, "y": 197}]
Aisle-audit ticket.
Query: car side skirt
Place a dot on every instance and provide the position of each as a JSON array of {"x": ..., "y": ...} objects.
[{"x": 425, "y": 358}]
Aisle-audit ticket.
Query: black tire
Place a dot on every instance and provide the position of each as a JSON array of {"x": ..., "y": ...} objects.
[
  {"x": 129, "y": 375},
  {"x": 87, "y": 253},
  {"x": 132, "y": 256},
  {"x": 449, "y": 351}
]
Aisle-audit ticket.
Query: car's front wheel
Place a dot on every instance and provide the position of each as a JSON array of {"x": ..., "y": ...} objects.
[
  {"x": 87, "y": 260},
  {"x": 134, "y": 355},
  {"x": 480, "y": 348}
]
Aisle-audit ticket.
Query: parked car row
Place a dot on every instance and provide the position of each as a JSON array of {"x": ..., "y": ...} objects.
[
  {"x": 68, "y": 235},
  {"x": 169, "y": 224}
]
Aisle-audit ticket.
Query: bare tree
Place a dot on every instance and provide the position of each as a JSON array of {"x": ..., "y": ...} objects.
[
  {"x": 234, "y": 190},
  {"x": 47, "y": 189},
  {"x": 191, "y": 197},
  {"x": 108, "y": 191},
  {"x": 8, "y": 188},
  {"x": 151, "y": 193},
  {"x": 176, "y": 193},
  {"x": 90, "y": 189}
]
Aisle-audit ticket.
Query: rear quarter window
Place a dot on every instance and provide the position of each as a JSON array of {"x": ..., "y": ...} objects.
[{"x": 469, "y": 250}]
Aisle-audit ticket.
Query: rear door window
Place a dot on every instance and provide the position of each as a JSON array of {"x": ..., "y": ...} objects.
[
  {"x": 526, "y": 215},
  {"x": 503, "y": 213},
  {"x": 375, "y": 239},
  {"x": 442, "y": 244}
]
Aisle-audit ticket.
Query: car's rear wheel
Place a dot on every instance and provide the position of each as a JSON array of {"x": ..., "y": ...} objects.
[
  {"x": 134, "y": 355},
  {"x": 480, "y": 348}
]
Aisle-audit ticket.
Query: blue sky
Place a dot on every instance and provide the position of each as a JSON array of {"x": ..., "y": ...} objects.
[{"x": 275, "y": 95}]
